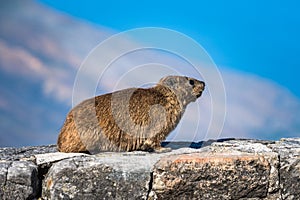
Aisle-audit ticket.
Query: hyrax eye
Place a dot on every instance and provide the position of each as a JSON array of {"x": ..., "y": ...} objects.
[{"x": 192, "y": 82}]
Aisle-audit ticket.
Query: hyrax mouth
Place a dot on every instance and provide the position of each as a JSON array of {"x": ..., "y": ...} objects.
[
  {"x": 199, "y": 94},
  {"x": 202, "y": 86}
]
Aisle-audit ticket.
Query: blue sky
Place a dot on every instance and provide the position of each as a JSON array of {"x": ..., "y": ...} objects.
[
  {"x": 255, "y": 45},
  {"x": 260, "y": 37}
]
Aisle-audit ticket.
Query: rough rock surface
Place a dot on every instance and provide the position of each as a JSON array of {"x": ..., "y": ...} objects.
[
  {"x": 98, "y": 178},
  {"x": 212, "y": 176},
  {"x": 19, "y": 173},
  {"x": 289, "y": 154},
  {"x": 21, "y": 181},
  {"x": 24, "y": 153},
  {"x": 226, "y": 169}
]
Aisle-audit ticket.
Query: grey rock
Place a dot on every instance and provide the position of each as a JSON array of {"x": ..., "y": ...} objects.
[
  {"x": 19, "y": 180},
  {"x": 49, "y": 158},
  {"x": 119, "y": 175},
  {"x": 103, "y": 177},
  {"x": 3, "y": 175},
  {"x": 220, "y": 169},
  {"x": 215, "y": 175},
  {"x": 289, "y": 153},
  {"x": 10, "y": 153},
  {"x": 255, "y": 147},
  {"x": 19, "y": 175}
]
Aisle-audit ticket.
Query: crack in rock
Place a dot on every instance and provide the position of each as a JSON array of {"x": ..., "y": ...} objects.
[{"x": 150, "y": 184}]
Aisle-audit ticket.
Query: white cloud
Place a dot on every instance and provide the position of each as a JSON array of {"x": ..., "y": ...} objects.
[
  {"x": 258, "y": 107},
  {"x": 19, "y": 61},
  {"x": 44, "y": 45}
]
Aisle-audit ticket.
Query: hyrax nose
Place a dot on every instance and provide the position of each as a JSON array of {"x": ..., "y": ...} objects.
[{"x": 202, "y": 85}]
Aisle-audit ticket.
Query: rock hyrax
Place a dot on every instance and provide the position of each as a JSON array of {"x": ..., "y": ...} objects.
[{"x": 130, "y": 119}]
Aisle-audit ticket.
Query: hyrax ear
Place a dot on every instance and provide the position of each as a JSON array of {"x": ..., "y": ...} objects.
[{"x": 168, "y": 81}]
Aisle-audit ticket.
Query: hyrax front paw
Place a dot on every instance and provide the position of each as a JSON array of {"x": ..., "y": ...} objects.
[{"x": 162, "y": 150}]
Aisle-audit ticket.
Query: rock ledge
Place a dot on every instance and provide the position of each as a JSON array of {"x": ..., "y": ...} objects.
[{"x": 223, "y": 169}]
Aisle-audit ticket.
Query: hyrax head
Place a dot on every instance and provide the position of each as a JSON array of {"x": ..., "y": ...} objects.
[{"x": 187, "y": 89}]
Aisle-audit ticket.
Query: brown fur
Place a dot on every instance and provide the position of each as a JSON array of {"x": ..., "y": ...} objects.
[{"x": 130, "y": 119}]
